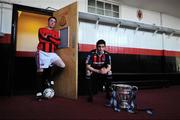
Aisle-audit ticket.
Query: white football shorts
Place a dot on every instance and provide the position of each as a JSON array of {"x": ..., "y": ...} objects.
[{"x": 46, "y": 60}]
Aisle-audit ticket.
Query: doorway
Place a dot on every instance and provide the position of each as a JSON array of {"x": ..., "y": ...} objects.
[{"x": 26, "y": 22}]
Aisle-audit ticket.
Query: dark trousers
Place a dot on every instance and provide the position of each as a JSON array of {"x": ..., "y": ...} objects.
[
  {"x": 96, "y": 82},
  {"x": 43, "y": 79}
]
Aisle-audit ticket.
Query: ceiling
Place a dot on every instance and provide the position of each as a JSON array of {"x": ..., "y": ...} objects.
[
  {"x": 51, "y": 4},
  {"x": 171, "y": 7}
]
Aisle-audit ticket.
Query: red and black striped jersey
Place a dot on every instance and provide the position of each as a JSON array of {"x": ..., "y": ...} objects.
[
  {"x": 48, "y": 40},
  {"x": 98, "y": 60}
]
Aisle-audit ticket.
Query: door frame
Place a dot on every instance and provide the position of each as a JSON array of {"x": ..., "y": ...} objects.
[{"x": 15, "y": 10}]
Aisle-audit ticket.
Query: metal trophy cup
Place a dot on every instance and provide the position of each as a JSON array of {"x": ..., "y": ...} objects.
[{"x": 125, "y": 95}]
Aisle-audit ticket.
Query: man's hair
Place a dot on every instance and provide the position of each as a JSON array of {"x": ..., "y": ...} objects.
[
  {"x": 52, "y": 18},
  {"x": 101, "y": 41}
]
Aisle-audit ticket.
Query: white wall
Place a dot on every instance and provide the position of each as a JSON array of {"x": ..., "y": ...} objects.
[
  {"x": 89, "y": 34},
  {"x": 126, "y": 12},
  {"x": 83, "y": 5},
  {"x": 170, "y": 21},
  {"x": 125, "y": 38},
  {"x": 171, "y": 43},
  {"x": 149, "y": 17},
  {"x": 5, "y": 18}
]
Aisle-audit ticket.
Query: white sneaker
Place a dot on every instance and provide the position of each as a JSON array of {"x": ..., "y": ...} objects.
[
  {"x": 130, "y": 111},
  {"x": 52, "y": 82},
  {"x": 117, "y": 109},
  {"x": 38, "y": 94},
  {"x": 108, "y": 105}
]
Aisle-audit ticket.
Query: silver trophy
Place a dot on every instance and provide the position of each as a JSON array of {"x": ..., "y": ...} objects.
[{"x": 125, "y": 95}]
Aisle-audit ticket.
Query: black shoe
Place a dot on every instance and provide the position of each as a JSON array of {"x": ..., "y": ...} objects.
[
  {"x": 130, "y": 111},
  {"x": 39, "y": 99},
  {"x": 108, "y": 105},
  {"x": 90, "y": 99}
]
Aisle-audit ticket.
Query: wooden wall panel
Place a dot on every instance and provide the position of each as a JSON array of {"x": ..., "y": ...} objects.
[{"x": 66, "y": 84}]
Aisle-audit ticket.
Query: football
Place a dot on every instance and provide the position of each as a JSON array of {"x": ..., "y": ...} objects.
[{"x": 48, "y": 93}]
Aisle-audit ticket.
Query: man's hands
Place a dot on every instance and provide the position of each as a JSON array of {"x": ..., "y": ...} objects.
[
  {"x": 47, "y": 36},
  {"x": 103, "y": 70}
]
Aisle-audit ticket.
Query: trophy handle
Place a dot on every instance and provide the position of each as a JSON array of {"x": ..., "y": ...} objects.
[{"x": 134, "y": 88}]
